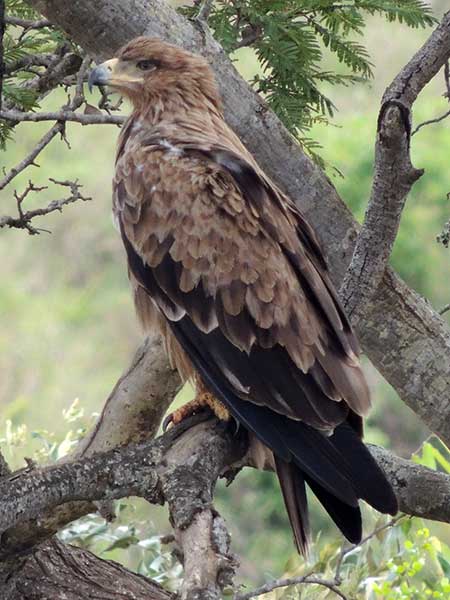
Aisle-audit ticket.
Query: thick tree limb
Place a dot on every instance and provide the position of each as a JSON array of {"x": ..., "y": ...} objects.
[
  {"x": 394, "y": 173},
  {"x": 132, "y": 413},
  {"x": 401, "y": 334},
  {"x": 420, "y": 491},
  {"x": 182, "y": 468},
  {"x": 179, "y": 468}
]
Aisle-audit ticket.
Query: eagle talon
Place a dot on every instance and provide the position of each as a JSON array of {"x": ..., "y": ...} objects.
[
  {"x": 203, "y": 401},
  {"x": 168, "y": 420}
]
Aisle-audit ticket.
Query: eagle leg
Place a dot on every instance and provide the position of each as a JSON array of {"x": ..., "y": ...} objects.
[{"x": 202, "y": 400}]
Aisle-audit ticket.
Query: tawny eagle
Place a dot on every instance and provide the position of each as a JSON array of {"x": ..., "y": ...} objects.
[{"x": 225, "y": 266}]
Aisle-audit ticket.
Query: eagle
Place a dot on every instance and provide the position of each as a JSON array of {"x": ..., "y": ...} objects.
[{"x": 224, "y": 265}]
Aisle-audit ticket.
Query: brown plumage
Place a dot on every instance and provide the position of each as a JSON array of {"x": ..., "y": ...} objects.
[{"x": 229, "y": 271}]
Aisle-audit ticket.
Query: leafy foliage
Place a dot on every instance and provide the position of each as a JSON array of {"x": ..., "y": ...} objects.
[
  {"x": 18, "y": 44},
  {"x": 128, "y": 541},
  {"x": 418, "y": 569},
  {"x": 291, "y": 38}
]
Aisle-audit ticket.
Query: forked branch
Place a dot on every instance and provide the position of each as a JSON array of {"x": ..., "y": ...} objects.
[{"x": 394, "y": 174}]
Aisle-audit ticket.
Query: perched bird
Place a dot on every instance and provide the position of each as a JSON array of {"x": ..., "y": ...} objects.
[{"x": 225, "y": 266}]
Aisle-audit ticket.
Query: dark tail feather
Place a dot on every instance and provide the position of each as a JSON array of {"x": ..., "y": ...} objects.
[
  {"x": 292, "y": 485},
  {"x": 368, "y": 479},
  {"x": 347, "y": 518}
]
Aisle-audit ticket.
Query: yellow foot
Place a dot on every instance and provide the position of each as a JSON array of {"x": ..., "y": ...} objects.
[{"x": 202, "y": 400}]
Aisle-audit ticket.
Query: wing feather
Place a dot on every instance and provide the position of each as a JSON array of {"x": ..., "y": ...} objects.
[{"x": 222, "y": 248}]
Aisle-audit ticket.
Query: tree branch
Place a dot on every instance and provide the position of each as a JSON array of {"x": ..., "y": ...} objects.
[
  {"x": 63, "y": 64},
  {"x": 63, "y": 116},
  {"x": 430, "y": 122},
  {"x": 58, "y": 127},
  {"x": 146, "y": 470},
  {"x": 59, "y": 572},
  {"x": 394, "y": 174},
  {"x": 23, "y": 221},
  {"x": 27, "y": 23},
  {"x": 132, "y": 413},
  {"x": 180, "y": 468},
  {"x": 31, "y": 156}
]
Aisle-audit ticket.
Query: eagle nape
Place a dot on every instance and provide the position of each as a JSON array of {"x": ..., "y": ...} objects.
[{"x": 227, "y": 269}]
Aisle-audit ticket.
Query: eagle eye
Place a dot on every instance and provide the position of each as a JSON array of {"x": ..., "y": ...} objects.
[{"x": 146, "y": 65}]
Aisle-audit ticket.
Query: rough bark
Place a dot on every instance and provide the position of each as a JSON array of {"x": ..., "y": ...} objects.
[
  {"x": 181, "y": 467},
  {"x": 415, "y": 361},
  {"x": 55, "y": 571},
  {"x": 394, "y": 174},
  {"x": 132, "y": 413},
  {"x": 419, "y": 490}
]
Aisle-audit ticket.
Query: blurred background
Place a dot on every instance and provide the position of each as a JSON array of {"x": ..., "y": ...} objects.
[{"x": 67, "y": 321}]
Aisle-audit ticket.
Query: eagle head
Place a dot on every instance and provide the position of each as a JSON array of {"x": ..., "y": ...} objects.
[{"x": 147, "y": 70}]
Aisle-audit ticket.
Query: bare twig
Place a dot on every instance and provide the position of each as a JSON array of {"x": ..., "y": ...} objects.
[
  {"x": 61, "y": 65},
  {"x": 27, "y": 23},
  {"x": 349, "y": 550},
  {"x": 430, "y": 122},
  {"x": 311, "y": 578},
  {"x": 291, "y": 581},
  {"x": 447, "y": 79},
  {"x": 394, "y": 173},
  {"x": 62, "y": 116},
  {"x": 30, "y": 60},
  {"x": 204, "y": 10},
  {"x": 444, "y": 309},
  {"x": 23, "y": 221},
  {"x": 105, "y": 104},
  {"x": 67, "y": 113},
  {"x": 31, "y": 156}
]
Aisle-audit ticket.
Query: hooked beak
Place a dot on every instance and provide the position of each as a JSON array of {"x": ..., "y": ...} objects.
[{"x": 103, "y": 74}]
